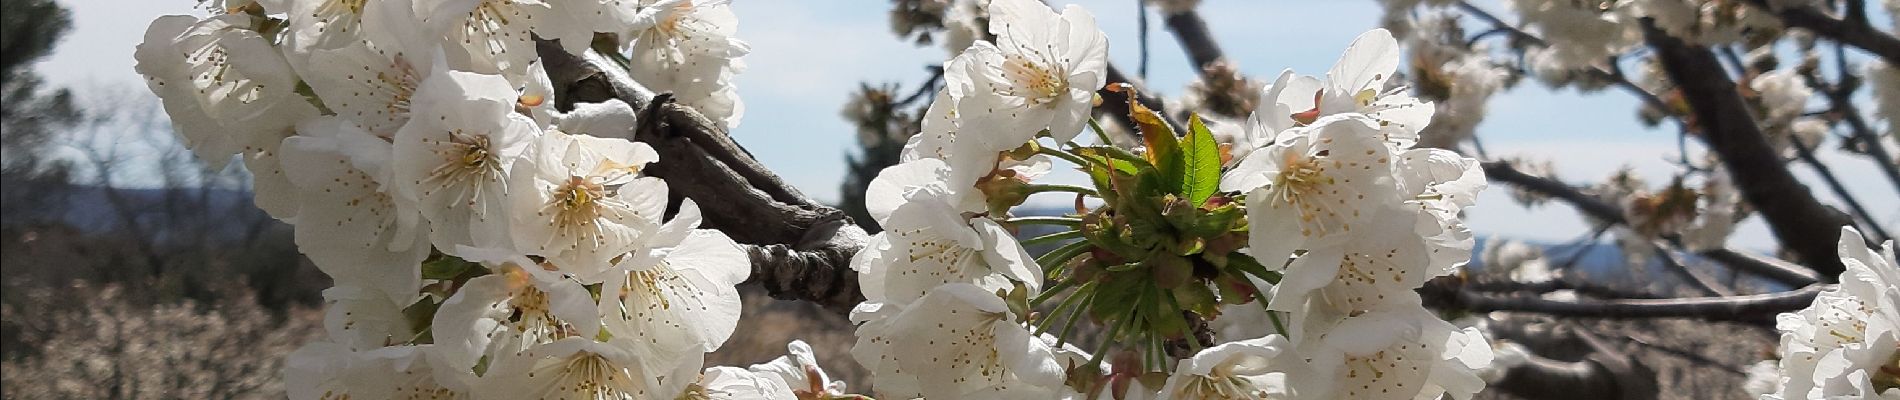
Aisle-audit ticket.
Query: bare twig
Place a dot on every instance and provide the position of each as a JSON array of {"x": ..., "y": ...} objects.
[
  {"x": 1771, "y": 268},
  {"x": 1589, "y": 205},
  {"x": 1676, "y": 265},
  {"x": 1781, "y": 271},
  {"x": 1612, "y": 73},
  {"x": 1141, "y": 29},
  {"x": 1840, "y": 98},
  {"x": 1834, "y": 184}
]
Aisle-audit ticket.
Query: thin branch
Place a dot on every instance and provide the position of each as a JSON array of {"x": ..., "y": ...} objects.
[
  {"x": 1612, "y": 74},
  {"x": 1801, "y": 223},
  {"x": 1771, "y": 268},
  {"x": 1840, "y": 98},
  {"x": 1678, "y": 266},
  {"x": 1781, "y": 271},
  {"x": 1589, "y": 205},
  {"x": 1141, "y": 30},
  {"x": 1834, "y": 184},
  {"x": 1582, "y": 287},
  {"x": 1852, "y": 31},
  {"x": 1751, "y": 308}
]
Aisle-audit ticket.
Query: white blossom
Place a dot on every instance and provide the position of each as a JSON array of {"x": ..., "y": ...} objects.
[
  {"x": 580, "y": 201},
  {"x": 927, "y": 243},
  {"x": 688, "y": 48},
  {"x": 1257, "y": 368},
  {"x": 485, "y": 36},
  {"x": 1357, "y": 83},
  {"x": 1397, "y": 354},
  {"x": 582, "y": 368},
  {"x": 227, "y": 92},
  {"x": 322, "y": 370},
  {"x": 1314, "y": 186},
  {"x": 1845, "y": 344},
  {"x": 455, "y": 154},
  {"x": 518, "y": 305},
  {"x": 1041, "y": 73},
  {"x": 372, "y": 80},
  {"x": 353, "y": 225},
  {"x": 958, "y": 340},
  {"x": 677, "y": 295},
  {"x": 733, "y": 383}
]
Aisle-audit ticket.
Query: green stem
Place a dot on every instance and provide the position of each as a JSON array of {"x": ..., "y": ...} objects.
[
  {"x": 1102, "y": 348},
  {"x": 1275, "y": 317},
  {"x": 1058, "y": 153},
  {"x": 1053, "y": 237},
  {"x": 1051, "y": 291},
  {"x": 1054, "y": 187},
  {"x": 1076, "y": 315},
  {"x": 1043, "y": 326},
  {"x": 1062, "y": 221},
  {"x": 1052, "y": 261},
  {"x": 1100, "y": 134},
  {"x": 1175, "y": 308},
  {"x": 1251, "y": 266}
]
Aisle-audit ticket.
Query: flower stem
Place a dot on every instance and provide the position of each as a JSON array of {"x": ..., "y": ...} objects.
[
  {"x": 1058, "y": 153},
  {"x": 1052, "y": 187},
  {"x": 1100, "y": 134},
  {"x": 1076, "y": 315},
  {"x": 1053, "y": 237},
  {"x": 1063, "y": 221},
  {"x": 1052, "y": 261}
]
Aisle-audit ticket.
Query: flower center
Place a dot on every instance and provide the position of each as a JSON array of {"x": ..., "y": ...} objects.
[
  {"x": 1039, "y": 83},
  {"x": 1301, "y": 184},
  {"x": 468, "y": 160},
  {"x": 578, "y": 199}
]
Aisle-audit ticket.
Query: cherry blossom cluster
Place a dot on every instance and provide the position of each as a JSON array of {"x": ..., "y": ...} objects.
[
  {"x": 1846, "y": 345},
  {"x": 485, "y": 244},
  {"x": 1343, "y": 219},
  {"x": 482, "y": 244}
]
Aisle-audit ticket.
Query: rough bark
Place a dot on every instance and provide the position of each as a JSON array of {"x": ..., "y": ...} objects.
[
  {"x": 800, "y": 249},
  {"x": 1802, "y": 224}
]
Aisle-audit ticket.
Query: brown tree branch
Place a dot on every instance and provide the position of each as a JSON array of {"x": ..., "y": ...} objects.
[
  {"x": 1802, "y": 224},
  {"x": 1195, "y": 39},
  {"x": 1778, "y": 270},
  {"x": 1852, "y": 31},
  {"x": 800, "y": 249},
  {"x": 1676, "y": 265},
  {"x": 1758, "y": 308},
  {"x": 1582, "y": 287}
]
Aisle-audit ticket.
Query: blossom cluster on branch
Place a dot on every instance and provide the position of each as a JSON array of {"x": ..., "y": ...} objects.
[
  {"x": 485, "y": 244},
  {"x": 1322, "y": 215},
  {"x": 482, "y": 243}
]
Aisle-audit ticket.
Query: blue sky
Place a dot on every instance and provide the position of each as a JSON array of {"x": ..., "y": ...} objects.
[{"x": 808, "y": 55}]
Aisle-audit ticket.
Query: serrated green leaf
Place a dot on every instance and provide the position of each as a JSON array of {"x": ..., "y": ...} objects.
[{"x": 1200, "y": 156}]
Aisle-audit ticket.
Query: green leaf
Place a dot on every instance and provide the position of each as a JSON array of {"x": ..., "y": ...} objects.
[
  {"x": 1200, "y": 162},
  {"x": 445, "y": 267}
]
